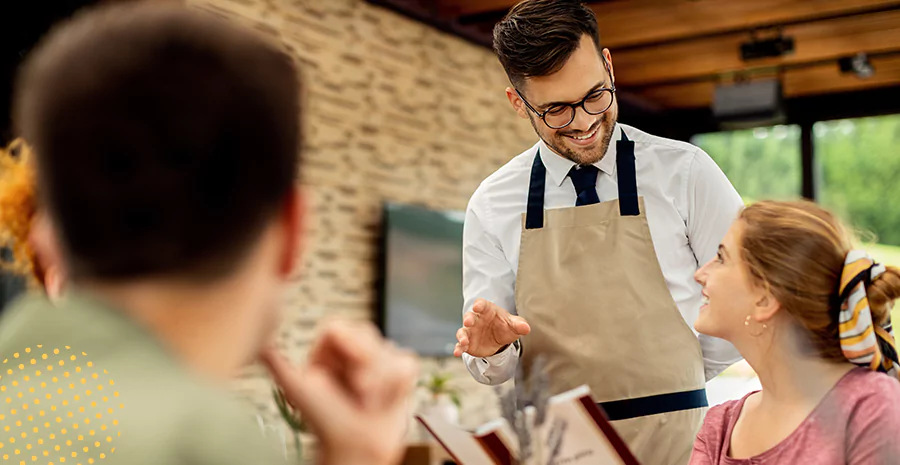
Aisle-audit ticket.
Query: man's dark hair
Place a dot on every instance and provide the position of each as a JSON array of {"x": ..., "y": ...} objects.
[
  {"x": 537, "y": 37},
  {"x": 165, "y": 140}
]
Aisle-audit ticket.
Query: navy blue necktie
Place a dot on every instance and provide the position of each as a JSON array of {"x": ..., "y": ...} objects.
[{"x": 585, "y": 180}]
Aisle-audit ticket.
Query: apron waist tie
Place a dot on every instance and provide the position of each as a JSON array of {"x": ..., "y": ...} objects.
[{"x": 652, "y": 405}]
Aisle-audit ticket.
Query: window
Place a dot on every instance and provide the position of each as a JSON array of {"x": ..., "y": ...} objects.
[
  {"x": 761, "y": 163},
  {"x": 858, "y": 177}
]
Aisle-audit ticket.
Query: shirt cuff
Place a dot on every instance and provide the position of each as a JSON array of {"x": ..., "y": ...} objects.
[{"x": 500, "y": 359}]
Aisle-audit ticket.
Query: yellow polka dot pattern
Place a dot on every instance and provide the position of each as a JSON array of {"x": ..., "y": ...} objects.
[{"x": 56, "y": 406}]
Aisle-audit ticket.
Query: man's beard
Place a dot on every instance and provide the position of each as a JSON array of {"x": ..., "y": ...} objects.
[{"x": 557, "y": 141}]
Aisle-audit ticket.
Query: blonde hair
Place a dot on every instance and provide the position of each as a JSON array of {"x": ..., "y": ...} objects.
[
  {"x": 18, "y": 206},
  {"x": 796, "y": 250}
]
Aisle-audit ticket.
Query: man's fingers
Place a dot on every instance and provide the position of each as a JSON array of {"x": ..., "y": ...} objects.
[
  {"x": 280, "y": 368},
  {"x": 481, "y": 306},
  {"x": 378, "y": 384},
  {"x": 462, "y": 335},
  {"x": 399, "y": 371},
  {"x": 347, "y": 342},
  {"x": 347, "y": 350},
  {"x": 519, "y": 325},
  {"x": 303, "y": 389},
  {"x": 319, "y": 397},
  {"x": 458, "y": 350},
  {"x": 342, "y": 385},
  {"x": 469, "y": 319}
]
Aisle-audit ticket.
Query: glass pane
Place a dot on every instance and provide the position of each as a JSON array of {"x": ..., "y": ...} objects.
[
  {"x": 762, "y": 163},
  {"x": 858, "y": 167}
]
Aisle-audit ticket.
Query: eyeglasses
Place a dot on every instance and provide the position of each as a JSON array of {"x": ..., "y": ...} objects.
[{"x": 561, "y": 115}]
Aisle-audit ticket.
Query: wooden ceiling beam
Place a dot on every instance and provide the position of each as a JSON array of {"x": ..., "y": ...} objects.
[
  {"x": 634, "y": 23},
  {"x": 473, "y": 7},
  {"x": 645, "y": 22},
  {"x": 701, "y": 59},
  {"x": 802, "y": 82}
]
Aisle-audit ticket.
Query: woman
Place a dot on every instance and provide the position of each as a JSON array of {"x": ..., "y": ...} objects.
[
  {"x": 21, "y": 227},
  {"x": 812, "y": 316}
]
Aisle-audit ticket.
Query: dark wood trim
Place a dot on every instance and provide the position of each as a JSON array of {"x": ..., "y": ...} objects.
[
  {"x": 477, "y": 27},
  {"x": 807, "y": 156},
  {"x": 750, "y": 71},
  {"x": 428, "y": 12},
  {"x": 775, "y": 25}
]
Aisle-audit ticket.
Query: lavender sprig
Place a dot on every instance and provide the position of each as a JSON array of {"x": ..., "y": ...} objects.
[
  {"x": 555, "y": 440},
  {"x": 540, "y": 389},
  {"x": 525, "y": 409},
  {"x": 507, "y": 400}
]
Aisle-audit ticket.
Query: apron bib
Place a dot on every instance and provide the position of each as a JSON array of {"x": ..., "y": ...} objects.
[{"x": 601, "y": 314}]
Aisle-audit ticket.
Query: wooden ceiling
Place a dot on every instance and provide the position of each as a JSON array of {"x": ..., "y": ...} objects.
[{"x": 670, "y": 54}]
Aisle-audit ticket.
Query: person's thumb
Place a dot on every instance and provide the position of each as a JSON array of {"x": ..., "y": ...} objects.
[{"x": 518, "y": 325}]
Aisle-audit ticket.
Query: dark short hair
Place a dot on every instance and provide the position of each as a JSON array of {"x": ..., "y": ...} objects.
[
  {"x": 537, "y": 37},
  {"x": 165, "y": 139}
]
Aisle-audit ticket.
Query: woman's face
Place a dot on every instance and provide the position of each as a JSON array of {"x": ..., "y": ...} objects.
[{"x": 730, "y": 294}]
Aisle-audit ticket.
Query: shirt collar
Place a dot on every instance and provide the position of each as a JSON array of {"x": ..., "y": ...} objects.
[{"x": 558, "y": 167}]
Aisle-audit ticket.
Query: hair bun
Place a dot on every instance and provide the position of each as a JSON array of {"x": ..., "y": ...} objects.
[{"x": 882, "y": 292}]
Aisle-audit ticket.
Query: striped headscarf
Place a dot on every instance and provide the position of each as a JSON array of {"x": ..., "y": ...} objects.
[{"x": 864, "y": 342}]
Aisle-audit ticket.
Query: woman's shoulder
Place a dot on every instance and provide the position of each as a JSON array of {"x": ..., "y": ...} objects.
[
  {"x": 861, "y": 384},
  {"x": 869, "y": 397},
  {"x": 873, "y": 416},
  {"x": 720, "y": 417},
  {"x": 725, "y": 410},
  {"x": 714, "y": 435}
]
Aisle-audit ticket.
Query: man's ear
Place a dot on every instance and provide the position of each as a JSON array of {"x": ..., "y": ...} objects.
[
  {"x": 516, "y": 102},
  {"x": 608, "y": 58},
  {"x": 45, "y": 242},
  {"x": 54, "y": 283},
  {"x": 293, "y": 217}
]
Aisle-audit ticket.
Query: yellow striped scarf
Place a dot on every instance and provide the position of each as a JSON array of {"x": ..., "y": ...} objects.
[{"x": 864, "y": 342}]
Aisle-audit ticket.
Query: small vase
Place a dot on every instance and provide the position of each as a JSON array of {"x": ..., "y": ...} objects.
[{"x": 442, "y": 406}]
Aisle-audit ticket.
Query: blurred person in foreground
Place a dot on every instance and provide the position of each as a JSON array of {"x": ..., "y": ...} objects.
[
  {"x": 811, "y": 315},
  {"x": 166, "y": 149}
]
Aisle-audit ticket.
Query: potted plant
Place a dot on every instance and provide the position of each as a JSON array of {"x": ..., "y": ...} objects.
[{"x": 444, "y": 397}]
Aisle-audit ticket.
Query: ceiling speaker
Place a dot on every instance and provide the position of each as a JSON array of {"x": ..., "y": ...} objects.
[{"x": 753, "y": 103}]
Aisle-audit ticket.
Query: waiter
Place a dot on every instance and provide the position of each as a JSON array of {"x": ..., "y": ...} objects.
[{"x": 583, "y": 248}]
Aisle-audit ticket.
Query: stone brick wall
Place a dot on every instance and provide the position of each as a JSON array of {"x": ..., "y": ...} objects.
[{"x": 395, "y": 111}]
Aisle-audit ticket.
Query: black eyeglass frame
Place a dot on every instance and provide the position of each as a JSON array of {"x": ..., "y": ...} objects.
[{"x": 575, "y": 106}]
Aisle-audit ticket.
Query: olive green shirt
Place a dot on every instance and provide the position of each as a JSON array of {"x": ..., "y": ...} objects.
[{"x": 81, "y": 383}]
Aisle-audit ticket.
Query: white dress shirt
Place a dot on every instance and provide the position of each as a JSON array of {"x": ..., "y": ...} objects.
[{"x": 689, "y": 202}]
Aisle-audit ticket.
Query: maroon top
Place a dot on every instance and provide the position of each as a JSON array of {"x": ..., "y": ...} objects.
[{"x": 857, "y": 422}]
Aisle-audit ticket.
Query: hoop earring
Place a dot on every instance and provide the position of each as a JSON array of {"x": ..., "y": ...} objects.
[{"x": 747, "y": 324}]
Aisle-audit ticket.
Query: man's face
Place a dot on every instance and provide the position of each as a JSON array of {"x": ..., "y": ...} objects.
[{"x": 586, "y": 139}]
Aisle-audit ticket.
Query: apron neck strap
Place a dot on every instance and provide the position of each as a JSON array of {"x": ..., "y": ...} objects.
[
  {"x": 625, "y": 173},
  {"x": 628, "y": 197},
  {"x": 534, "y": 213}
]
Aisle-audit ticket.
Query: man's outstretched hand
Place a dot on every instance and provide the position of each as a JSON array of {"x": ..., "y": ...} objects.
[{"x": 487, "y": 329}]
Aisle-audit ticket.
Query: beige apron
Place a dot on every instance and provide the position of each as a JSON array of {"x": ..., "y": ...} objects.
[{"x": 601, "y": 314}]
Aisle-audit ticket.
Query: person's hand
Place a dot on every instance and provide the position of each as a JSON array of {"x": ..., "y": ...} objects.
[
  {"x": 352, "y": 393},
  {"x": 487, "y": 328}
]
